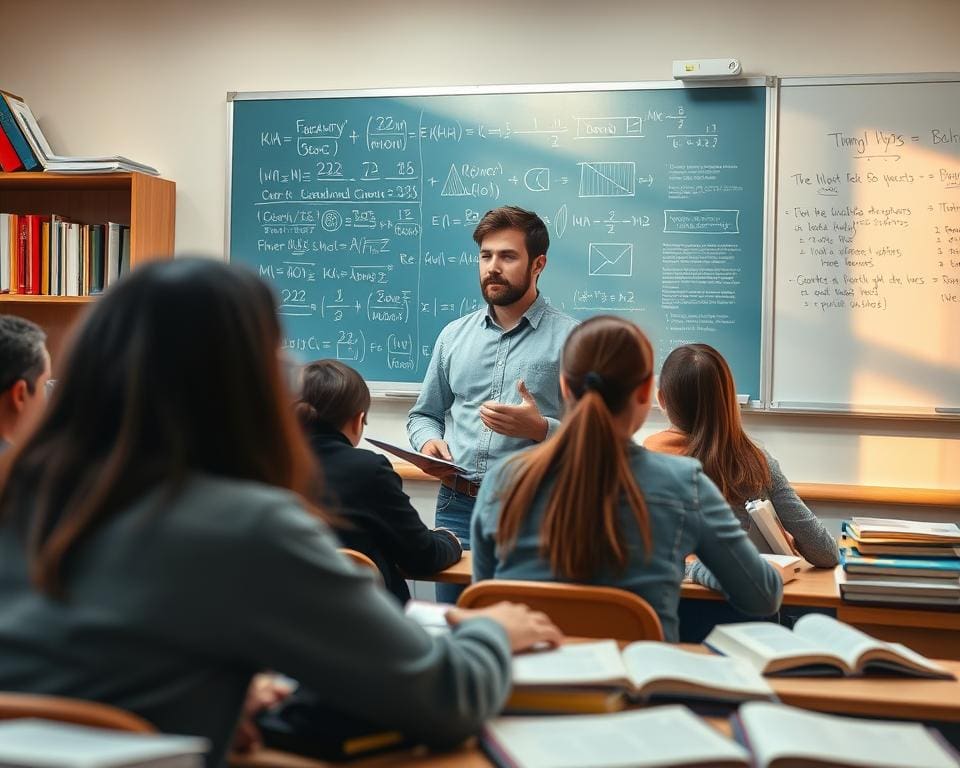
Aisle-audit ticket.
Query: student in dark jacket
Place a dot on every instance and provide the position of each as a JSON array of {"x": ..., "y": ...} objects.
[{"x": 377, "y": 516}]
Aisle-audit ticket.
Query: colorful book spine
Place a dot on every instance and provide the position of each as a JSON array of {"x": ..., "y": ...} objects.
[
  {"x": 8, "y": 124},
  {"x": 9, "y": 159}
]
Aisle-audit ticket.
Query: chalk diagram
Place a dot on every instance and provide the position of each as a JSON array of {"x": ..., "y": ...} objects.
[
  {"x": 608, "y": 179},
  {"x": 454, "y": 186},
  {"x": 331, "y": 221},
  {"x": 610, "y": 260},
  {"x": 537, "y": 179},
  {"x": 560, "y": 221}
]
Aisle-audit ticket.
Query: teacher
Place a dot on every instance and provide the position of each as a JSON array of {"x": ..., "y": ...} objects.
[{"x": 495, "y": 371}]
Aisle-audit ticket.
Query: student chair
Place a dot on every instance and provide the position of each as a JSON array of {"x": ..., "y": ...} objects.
[
  {"x": 578, "y": 610},
  {"x": 77, "y": 711},
  {"x": 362, "y": 560}
]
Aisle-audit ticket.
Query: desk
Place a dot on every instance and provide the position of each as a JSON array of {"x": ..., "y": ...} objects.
[{"x": 934, "y": 633}]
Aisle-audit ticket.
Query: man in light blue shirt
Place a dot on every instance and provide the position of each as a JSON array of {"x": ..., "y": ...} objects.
[{"x": 496, "y": 371}]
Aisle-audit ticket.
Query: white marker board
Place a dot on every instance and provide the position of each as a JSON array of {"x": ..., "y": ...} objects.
[{"x": 867, "y": 283}]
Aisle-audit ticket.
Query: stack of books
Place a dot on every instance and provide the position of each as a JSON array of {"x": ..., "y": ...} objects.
[
  {"x": 51, "y": 256},
  {"x": 23, "y": 147},
  {"x": 900, "y": 561}
]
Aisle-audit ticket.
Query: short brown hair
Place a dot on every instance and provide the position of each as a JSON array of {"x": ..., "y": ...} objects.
[
  {"x": 536, "y": 237},
  {"x": 332, "y": 394}
]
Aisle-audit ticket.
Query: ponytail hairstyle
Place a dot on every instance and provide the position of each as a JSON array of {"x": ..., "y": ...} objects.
[
  {"x": 332, "y": 393},
  {"x": 698, "y": 392},
  {"x": 604, "y": 360}
]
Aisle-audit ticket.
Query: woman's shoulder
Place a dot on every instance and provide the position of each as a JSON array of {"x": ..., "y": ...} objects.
[{"x": 657, "y": 471}]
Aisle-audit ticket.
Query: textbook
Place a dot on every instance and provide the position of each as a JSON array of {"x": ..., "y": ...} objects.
[
  {"x": 906, "y": 531},
  {"x": 882, "y": 588},
  {"x": 924, "y": 567},
  {"x": 544, "y": 681},
  {"x": 848, "y": 540},
  {"x": 788, "y": 566},
  {"x": 48, "y": 744},
  {"x": 765, "y": 519},
  {"x": 647, "y": 738},
  {"x": 429, "y": 464},
  {"x": 786, "y": 737},
  {"x": 818, "y": 645}
]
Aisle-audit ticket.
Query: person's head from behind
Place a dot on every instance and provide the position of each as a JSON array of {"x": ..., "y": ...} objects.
[
  {"x": 606, "y": 379},
  {"x": 334, "y": 397},
  {"x": 513, "y": 252},
  {"x": 24, "y": 372},
  {"x": 697, "y": 393},
  {"x": 175, "y": 371}
]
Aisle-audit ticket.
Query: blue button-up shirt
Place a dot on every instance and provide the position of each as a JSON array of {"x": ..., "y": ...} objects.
[{"x": 474, "y": 361}]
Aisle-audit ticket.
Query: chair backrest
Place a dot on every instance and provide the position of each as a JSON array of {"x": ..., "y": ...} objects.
[
  {"x": 65, "y": 710},
  {"x": 362, "y": 560},
  {"x": 578, "y": 610}
]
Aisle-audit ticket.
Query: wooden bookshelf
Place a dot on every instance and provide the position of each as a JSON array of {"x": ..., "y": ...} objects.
[{"x": 146, "y": 204}]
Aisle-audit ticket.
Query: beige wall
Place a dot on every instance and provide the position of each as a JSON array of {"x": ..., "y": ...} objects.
[{"x": 149, "y": 80}]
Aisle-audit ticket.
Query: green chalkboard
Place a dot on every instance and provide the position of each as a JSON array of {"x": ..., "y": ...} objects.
[{"x": 359, "y": 207}]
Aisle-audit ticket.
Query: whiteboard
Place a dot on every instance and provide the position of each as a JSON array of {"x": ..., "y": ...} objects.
[{"x": 867, "y": 277}]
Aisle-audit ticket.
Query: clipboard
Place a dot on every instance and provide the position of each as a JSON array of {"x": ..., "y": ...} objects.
[{"x": 420, "y": 460}]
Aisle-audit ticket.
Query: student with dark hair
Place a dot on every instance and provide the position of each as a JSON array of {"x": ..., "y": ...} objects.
[
  {"x": 24, "y": 373},
  {"x": 698, "y": 396},
  {"x": 591, "y": 506},
  {"x": 156, "y": 551},
  {"x": 494, "y": 371},
  {"x": 378, "y": 518}
]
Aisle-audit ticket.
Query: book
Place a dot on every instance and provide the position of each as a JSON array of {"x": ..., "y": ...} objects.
[
  {"x": 788, "y": 566},
  {"x": 53, "y": 162},
  {"x": 764, "y": 517},
  {"x": 929, "y": 567},
  {"x": 947, "y": 590},
  {"x": 47, "y": 744},
  {"x": 818, "y": 645},
  {"x": 848, "y": 540},
  {"x": 9, "y": 159},
  {"x": 5, "y": 252},
  {"x": 428, "y": 464},
  {"x": 643, "y": 670},
  {"x": 113, "y": 254},
  {"x": 779, "y": 736},
  {"x": 431, "y": 616},
  {"x": 648, "y": 738},
  {"x": 908, "y": 531},
  {"x": 11, "y": 128}
]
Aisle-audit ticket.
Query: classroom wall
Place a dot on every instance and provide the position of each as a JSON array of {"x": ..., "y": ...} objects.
[{"x": 149, "y": 80}]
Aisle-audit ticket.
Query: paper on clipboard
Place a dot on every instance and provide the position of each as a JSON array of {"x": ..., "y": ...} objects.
[{"x": 421, "y": 460}]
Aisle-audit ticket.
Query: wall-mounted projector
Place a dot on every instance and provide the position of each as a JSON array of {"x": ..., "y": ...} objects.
[{"x": 706, "y": 69}]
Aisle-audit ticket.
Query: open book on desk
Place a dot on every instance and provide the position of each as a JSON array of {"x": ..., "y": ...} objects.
[
  {"x": 648, "y": 738},
  {"x": 818, "y": 645},
  {"x": 562, "y": 680},
  {"x": 429, "y": 464},
  {"x": 786, "y": 737}
]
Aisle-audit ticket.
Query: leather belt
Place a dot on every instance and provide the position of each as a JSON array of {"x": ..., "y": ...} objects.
[{"x": 461, "y": 485}]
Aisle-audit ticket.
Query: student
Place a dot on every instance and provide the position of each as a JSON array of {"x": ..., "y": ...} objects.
[
  {"x": 361, "y": 485},
  {"x": 24, "y": 373},
  {"x": 493, "y": 371},
  {"x": 155, "y": 553},
  {"x": 591, "y": 506},
  {"x": 697, "y": 395}
]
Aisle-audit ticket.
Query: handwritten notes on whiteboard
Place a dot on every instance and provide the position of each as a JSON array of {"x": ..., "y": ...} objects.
[
  {"x": 360, "y": 211},
  {"x": 867, "y": 304}
]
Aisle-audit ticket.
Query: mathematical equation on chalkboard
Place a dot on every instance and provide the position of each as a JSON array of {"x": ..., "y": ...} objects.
[{"x": 360, "y": 211}]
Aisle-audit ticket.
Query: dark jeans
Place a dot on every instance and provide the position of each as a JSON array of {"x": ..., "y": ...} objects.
[{"x": 453, "y": 512}]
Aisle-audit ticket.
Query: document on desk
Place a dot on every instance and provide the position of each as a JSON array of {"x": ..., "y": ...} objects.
[{"x": 429, "y": 464}]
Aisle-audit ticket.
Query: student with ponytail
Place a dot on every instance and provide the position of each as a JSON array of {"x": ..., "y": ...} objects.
[
  {"x": 590, "y": 506},
  {"x": 697, "y": 394}
]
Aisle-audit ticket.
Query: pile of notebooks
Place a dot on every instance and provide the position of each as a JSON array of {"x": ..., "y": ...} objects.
[
  {"x": 23, "y": 147},
  {"x": 901, "y": 562}
]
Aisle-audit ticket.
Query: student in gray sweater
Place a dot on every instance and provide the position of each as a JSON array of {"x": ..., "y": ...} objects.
[
  {"x": 156, "y": 553},
  {"x": 697, "y": 393}
]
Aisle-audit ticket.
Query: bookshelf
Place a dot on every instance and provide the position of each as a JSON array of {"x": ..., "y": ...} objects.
[{"x": 146, "y": 203}]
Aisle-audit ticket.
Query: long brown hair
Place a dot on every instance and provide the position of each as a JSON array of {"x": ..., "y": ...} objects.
[
  {"x": 604, "y": 360},
  {"x": 698, "y": 392},
  {"x": 174, "y": 371}
]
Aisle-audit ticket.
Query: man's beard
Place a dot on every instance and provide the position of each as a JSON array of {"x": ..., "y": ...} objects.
[{"x": 512, "y": 294}]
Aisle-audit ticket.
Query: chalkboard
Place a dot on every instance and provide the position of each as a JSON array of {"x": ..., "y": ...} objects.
[
  {"x": 360, "y": 206},
  {"x": 867, "y": 302}
]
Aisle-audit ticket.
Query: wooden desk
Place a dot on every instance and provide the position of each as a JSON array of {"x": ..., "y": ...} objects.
[{"x": 934, "y": 633}]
